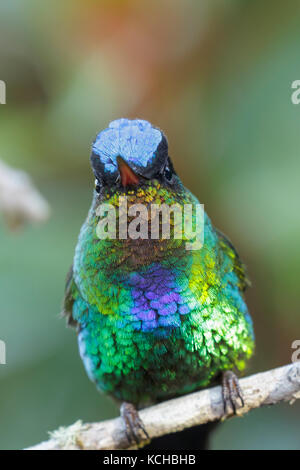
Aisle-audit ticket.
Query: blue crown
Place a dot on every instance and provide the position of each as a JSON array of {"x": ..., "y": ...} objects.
[{"x": 134, "y": 140}]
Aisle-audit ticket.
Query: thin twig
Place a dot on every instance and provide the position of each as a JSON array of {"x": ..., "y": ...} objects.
[{"x": 266, "y": 388}]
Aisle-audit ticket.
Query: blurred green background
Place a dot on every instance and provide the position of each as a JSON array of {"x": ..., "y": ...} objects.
[{"x": 216, "y": 76}]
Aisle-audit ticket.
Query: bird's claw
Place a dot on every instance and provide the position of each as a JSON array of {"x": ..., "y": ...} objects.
[
  {"x": 231, "y": 391},
  {"x": 134, "y": 428}
]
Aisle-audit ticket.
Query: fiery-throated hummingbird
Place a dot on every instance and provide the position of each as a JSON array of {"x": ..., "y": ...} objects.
[{"x": 154, "y": 319}]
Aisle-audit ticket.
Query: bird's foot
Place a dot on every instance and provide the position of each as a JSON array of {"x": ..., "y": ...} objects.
[
  {"x": 134, "y": 427},
  {"x": 231, "y": 390}
]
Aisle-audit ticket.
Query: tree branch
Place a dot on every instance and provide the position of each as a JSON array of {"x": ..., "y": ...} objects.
[
  {"x": 19, "y": 200},
  {"x": 267, "y": 388}
]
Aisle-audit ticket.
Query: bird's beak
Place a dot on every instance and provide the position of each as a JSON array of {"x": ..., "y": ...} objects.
[{"x": 128, "y": 176}]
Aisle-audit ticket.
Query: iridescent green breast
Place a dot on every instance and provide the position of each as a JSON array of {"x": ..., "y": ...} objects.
[{"x": 166, "y": 329}]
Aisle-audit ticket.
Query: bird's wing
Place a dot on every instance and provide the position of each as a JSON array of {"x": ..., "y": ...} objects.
[
  {"x": 238, "y": 266},
  {"x": 71, "y": 292}
]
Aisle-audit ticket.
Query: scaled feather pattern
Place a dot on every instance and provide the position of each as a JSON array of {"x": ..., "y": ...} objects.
[{"x": 154, "y": 320}]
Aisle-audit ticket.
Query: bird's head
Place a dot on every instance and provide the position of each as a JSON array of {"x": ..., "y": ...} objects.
[
  {"x": 130, "y": 158},
  {"x": 128, "y": 155}
]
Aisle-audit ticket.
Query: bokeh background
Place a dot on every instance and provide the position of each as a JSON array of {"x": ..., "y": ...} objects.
[{"x": 216, "y": 76}]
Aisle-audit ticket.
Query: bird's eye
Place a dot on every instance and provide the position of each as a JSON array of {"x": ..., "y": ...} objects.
[
  {"x": 97, "y": 186},
  {"x": 168, "y": 173}
]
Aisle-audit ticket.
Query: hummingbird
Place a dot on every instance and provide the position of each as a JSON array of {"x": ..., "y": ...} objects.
[{"x": 154, "y": 319}]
